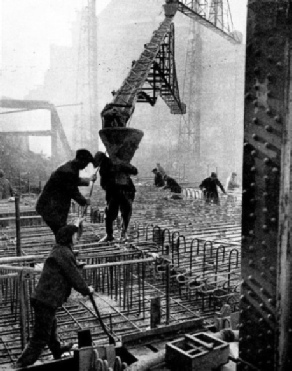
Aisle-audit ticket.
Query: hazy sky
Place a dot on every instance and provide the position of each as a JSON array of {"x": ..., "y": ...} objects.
[
  {"x": 238, "y": 12},
  {"x": 28, "y": 27}
]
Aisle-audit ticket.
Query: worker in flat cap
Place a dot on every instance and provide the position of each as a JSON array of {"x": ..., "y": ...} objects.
[
  {"x": 160, "y": 169},
  {"x": 115, "y": 179},
  {"x": 209, "y": 188},
  {"x": 60, "y": 274},
  {"x": 6, "y": 189},
  {"x": 158, "y": 178},
  {"x": 54, "y": 202}
]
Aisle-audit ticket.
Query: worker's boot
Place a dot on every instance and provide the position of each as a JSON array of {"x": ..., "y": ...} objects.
[
  {"x": 63, "y": 349},
  {"x": 107, "y": 238},
  {"x": 124, "y": 236},
  {"x": 108, "y": 228}
]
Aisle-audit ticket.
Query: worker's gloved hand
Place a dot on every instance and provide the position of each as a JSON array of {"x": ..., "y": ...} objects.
[
  {"x": 134, "y": 170},
  {"x": 88, "y": 201},
  {"x": 79, "y": 221},
  {"x": 81, "y": 264},
  {"x": 91, "y": 289},
  {"x": 93, "y": 177}
]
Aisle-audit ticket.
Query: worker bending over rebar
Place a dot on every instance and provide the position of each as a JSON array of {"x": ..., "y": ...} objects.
[
  {"x": 115, "y": 179},
  {"x": 60, "y": 274},
  {"x": 158, "y": 178},
  {"x": 55, "y": 200},
  {"x": 172, "y": 184}
]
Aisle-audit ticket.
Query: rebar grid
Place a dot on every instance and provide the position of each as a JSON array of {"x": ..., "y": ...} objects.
[{"x": 199, "y": 243}]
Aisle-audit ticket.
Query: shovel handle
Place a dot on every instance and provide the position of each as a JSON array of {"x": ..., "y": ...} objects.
[
  {"x": 90, "y": 194},
  {"x": 111, "y": 338}
]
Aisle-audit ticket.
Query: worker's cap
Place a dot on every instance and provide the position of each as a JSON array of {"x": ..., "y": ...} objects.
[
  {"x": 84, "y": 155},
  {"x": 234, "y": 174},
  {"x": 154, "y": 170},
  {"x": 98, "y": 158},
  {"x": 65, "y": 234},
  {"x": 213, "y": 175},
  {"x": 1, "y": 173}
]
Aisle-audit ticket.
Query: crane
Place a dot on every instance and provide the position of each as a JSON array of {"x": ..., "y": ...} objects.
[{"x": 154, "y": 73}]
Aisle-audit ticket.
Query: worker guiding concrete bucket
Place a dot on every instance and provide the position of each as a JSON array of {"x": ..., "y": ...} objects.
[{"x": 115, "y": 171}]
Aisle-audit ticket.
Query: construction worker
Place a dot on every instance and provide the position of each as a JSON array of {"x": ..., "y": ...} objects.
[
  {"x": 209, "y": 188},
  {"x": 158, "y": 178},
  {"x": 60, "y": 274},
  {"x": 160, "y": 169},
  {"x": 172, "y": 184},
  {"x": 6, "y": 190},
  {"x": 54, "y": 202},
  {"x": 119, "y": 192},
  {"x": 231, "y": 183}
]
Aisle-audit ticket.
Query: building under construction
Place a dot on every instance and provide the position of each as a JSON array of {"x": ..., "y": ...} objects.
[{"x": 197, "y": 285}]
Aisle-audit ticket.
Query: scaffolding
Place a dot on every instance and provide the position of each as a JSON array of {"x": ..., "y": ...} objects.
[{"x": 190, "y": 125}]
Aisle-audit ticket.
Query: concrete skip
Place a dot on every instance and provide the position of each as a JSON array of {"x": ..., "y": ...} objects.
[
  {"x": 200, "y": 352},
  {"x": 121, "y": 143}
]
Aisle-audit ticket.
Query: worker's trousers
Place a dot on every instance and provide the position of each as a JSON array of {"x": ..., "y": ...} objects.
[
  {"x": 212, "y": 197},
  {"x": 44, "y": 333},
  {"x": 55, "y": 227},
  {"x": 118, "y": 200},
  {"x": 175, "y": 189}
]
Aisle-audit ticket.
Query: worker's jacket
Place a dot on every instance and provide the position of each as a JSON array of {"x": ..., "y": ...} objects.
[
  {"x": 158, "y": 180},
  {"x": 172, "y": 185},
  {"x": 116, "y": 176},
  {"x": 209, "y": 186},
  {"x": 231, "y": 184},
  {"x": 55, "y": 200},
  {"x": 60, "y": 274},
  {"x": 5, "y": 189}
]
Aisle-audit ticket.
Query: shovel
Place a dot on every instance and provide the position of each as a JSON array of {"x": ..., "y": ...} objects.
[
  {"x": 90, "y": 194},
  {"x": 110, "y": 337}
]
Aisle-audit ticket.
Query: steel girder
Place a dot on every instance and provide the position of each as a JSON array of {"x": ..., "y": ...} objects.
[
  {"x": 215, "y": 16},
  {"x": 190, "y": 127},
  {"x": 56, "y": 125},
  {"x": 265, "y": 306}
]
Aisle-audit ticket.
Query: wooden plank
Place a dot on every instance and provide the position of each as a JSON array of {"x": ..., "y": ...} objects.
[{"x": 178, "y": 328}]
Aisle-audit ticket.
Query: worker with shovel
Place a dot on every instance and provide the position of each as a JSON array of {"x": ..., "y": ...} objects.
[
  {"x": 55, "y": 200},
  {"x": 60, "y": 274}
]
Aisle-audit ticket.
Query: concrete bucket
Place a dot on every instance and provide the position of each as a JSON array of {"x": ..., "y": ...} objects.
[{"x": 121, "y": 143}]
